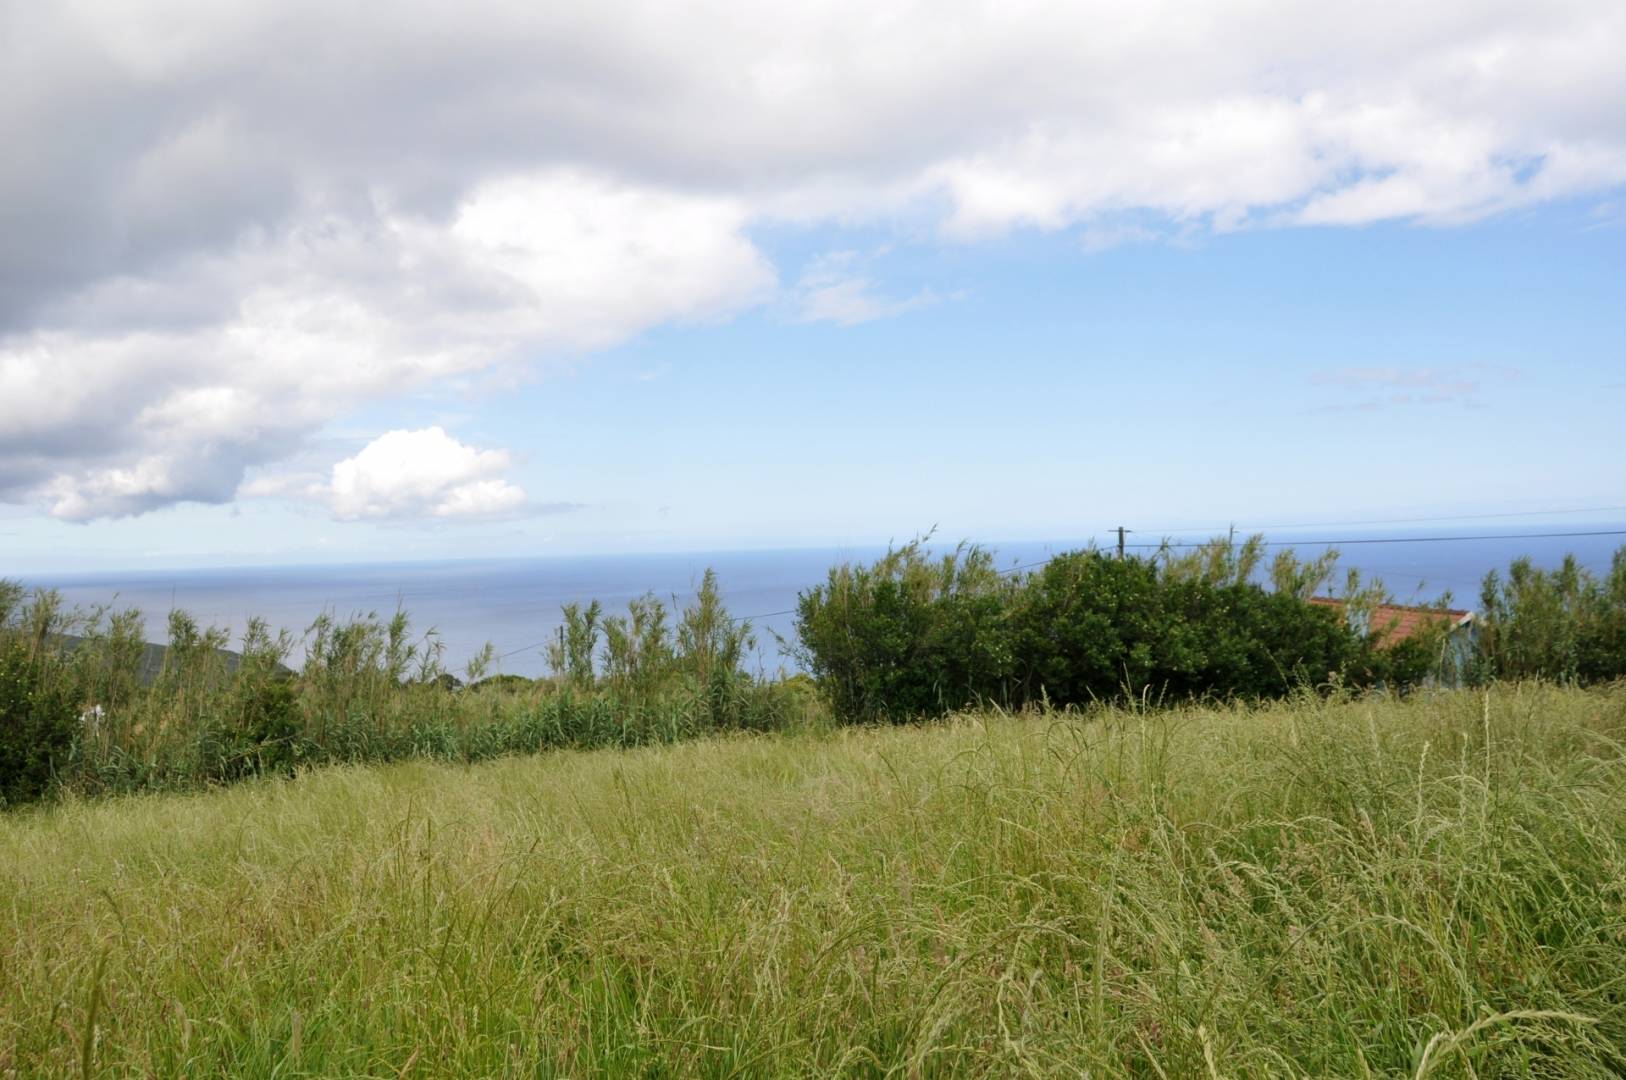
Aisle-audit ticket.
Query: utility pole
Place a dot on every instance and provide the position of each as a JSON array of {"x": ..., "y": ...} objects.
[{"x": 1121, "y": 531}]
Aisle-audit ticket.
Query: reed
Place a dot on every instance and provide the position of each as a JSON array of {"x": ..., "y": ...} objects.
[{"x": 86, "y": 707}]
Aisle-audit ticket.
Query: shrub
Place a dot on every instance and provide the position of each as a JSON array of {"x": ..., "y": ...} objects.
[
  {"x": 1565, "y": 624},
  {"x": 912, "y": 635},
  {"x": 1098, "y": 628},
  {"x": 266, "y": 737},
  {"x": 1239, "y": 640},
  {"x": 38, "y": 720},
  {"x": 1089, "y": 627}
]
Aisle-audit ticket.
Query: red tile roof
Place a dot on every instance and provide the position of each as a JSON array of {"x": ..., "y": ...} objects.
[{"x": 1395, "y": 623}]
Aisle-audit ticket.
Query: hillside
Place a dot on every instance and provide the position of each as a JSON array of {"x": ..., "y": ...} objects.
[
  {"x": 151, "y": 661},
  {"x": 1314, "y": 888}
]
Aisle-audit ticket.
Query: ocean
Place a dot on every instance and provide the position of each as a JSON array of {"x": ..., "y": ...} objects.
[{"x": 514, "y": 603}]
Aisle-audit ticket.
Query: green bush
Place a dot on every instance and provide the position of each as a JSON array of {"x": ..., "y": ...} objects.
[
  {"x": 1565, "y": 624},
  {"x": 38, "y": 721},
  {"x": 266, "y": 740},
  {"x": 1095, "y": 628},
  {"x": 1089, "y": 627},
  {"x": 913, "y": 635}
]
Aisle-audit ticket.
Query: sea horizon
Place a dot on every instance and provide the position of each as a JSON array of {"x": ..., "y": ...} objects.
[{"x": 514, "y": 601}]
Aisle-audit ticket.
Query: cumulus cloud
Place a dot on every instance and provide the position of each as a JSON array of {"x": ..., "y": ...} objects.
[
  {"x": 226, "y": 225},
  {"x": 421, "y": 474},
  {"x": 119, "y": 419}
]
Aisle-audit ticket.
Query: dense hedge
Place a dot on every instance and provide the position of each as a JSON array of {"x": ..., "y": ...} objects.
[{"x": 913, "y": 635}]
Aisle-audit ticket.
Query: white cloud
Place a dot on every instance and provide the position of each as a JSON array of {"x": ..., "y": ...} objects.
[
  {"x": 235, "y": 223},
  {"x": 337, "y": 312},
  {"x": 421, "y": 474},
  {"x": 836, "y": 288}
]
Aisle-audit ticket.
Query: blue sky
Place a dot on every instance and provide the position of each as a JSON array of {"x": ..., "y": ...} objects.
[
  {"x": 1049, "y": 392},
  {"x": 644, "y": 343}
]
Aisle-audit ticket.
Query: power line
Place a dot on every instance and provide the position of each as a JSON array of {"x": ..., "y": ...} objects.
[
  {"x": 1401, "y": 521},
  {"x": 1024, "y": 566},
  {"x": 1400, "y": 539},
  {"x": 1267, "y": 543},
  {"x": 751, "y": 618},
  {"x": 731, "y": 618},
  {"x": 522, "y": 648}
]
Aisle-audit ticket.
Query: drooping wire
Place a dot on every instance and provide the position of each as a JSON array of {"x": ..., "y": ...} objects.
[
  {"x": 1266, "y": 543},
  {"x": 1396, "y": 521}
]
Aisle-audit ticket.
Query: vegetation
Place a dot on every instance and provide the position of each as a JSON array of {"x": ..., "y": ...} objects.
[
  {"x": 40, "y": 721},
  {"x": 1325, "y": 886},
  {"x": 87, "y": 706},
  {"x": 1307, "y": 861},
  {"x": 915, "y": 635},
  {"x": 82, "y": 719},
  {"x": 1565, "y": 624}
]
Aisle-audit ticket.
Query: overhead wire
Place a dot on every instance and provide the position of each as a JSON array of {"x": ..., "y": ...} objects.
[
  {"x": 1266, "y": 543},
  {"x": 1397, "y": 521},
  {"x": 1394, "y": 539}
]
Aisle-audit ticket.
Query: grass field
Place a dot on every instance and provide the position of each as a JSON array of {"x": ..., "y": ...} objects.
[{"x": 1428, "y": 887}]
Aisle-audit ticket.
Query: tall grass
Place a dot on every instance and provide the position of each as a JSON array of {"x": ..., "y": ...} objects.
[
  {"x": 1321, "y": 887},
  {"x": 126, "y": 717}
]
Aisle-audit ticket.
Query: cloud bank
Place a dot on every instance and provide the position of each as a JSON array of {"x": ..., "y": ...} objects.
[
  {"x": 226, "y": 225},
  {"x": 157, "y": 408}
]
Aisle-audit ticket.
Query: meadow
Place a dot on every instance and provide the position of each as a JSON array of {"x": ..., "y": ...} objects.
[{"x": 1329, "y": 885}]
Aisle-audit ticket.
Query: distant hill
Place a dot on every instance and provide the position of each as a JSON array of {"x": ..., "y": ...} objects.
[{"x": 152, "y": 657}]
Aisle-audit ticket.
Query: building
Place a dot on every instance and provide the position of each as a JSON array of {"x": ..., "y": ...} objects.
[{"x": 1390, "y": 624}]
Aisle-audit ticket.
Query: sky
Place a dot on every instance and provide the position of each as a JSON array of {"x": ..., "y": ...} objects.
[{"x": 285, "y": 282}]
